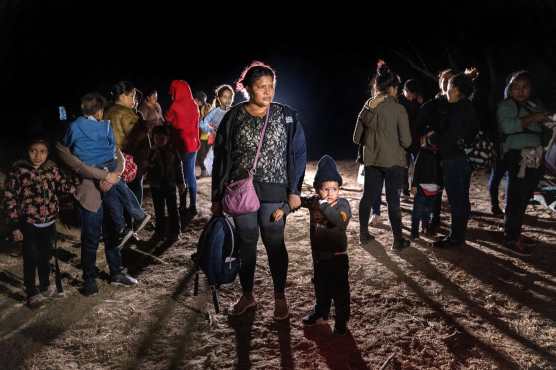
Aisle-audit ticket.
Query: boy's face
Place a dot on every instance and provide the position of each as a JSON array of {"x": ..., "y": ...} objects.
[
  {"x": 38, "y": 153},
  {"x": 329, "y": 190}
]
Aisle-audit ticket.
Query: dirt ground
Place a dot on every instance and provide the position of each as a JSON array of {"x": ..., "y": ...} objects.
[{"x": 478, "y": 307}]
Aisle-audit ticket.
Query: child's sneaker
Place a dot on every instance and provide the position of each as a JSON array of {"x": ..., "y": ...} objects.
[
  {"x": 375, "y": 220},
  {"x": 89, "y": 289},
  {"x": 314, "y": 318},
  {"x": 400, "y": 244},
  {"x": 35, "y": 301},
  {"x": 123, "y": 279},
  {"x": 123, "y": 237},
  {"x": 142, "y": 223}
]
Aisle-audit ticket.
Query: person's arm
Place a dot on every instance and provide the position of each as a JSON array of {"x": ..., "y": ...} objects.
[
  {"x": 337, "y": 215},
  {"x": 220, "y": 165},
  {"x": 403, "y": 129},
  {"x": 207, "y": 120},
  {"x": 63, "y": 184},
  {"x": 77, "y": 166},
  {"x": 359, "y": 127},
  {"x": 12, "y": 195}
]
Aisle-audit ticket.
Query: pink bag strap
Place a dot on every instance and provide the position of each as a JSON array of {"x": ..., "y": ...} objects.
[{"x": 252, "y": 171}]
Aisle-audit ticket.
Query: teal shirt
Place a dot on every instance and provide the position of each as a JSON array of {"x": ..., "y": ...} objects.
[{"x": 509, "y": 124}]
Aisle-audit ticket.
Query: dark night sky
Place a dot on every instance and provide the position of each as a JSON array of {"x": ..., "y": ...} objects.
[{"x": 53, "y": 54}]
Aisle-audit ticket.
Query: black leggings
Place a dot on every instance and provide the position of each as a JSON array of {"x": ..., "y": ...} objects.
[{"x": 272, "y": 233}]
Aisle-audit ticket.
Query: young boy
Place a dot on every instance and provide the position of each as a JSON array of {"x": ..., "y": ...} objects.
[
  {"x": 92, "y": 140},
  {"x": 32, "y": 209},
  {"x": 329, "y": 217},
  {"x": 165, "y": 173},
  {"x": 425, "y": 187}
]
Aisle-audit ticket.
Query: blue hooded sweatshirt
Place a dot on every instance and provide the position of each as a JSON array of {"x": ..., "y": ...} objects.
[{"x": 91, "y": 141}]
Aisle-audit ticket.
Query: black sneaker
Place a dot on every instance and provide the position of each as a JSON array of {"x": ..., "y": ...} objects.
[
  {"x": 400, "y": 244},
  {"x": 340, "y": 329},
  {"x": 142, "y": 223},
  {"x": 89, "y": 289},
  {"x": 192, "y": 212},
  {"x": 314, "y": 318},
  {"x": 365, "y": 237},
  {"x": 35, "y": 301},
  {"x": 123, "y": 279},
  {"x": 123, "y": 237},
  {"x": 497, "y": 211},
  {"x": 447, "y": 243},
  {"x": 518, "y": 247}
]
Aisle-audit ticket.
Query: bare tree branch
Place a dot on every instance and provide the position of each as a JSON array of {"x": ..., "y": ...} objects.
[{"x": 414, "y": 65}]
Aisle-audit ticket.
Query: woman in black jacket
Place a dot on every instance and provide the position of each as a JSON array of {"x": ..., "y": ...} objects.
[{"x": 459, "y": 130}]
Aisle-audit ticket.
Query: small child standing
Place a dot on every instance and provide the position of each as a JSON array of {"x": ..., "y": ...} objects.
[
  {"x": 426, "y": 184},
  {"x": 92, "y": 140},
  {"x": 32, "y": 209},
  {"x": 329, "y": 217},
  {"x": 165, "y": 173}
]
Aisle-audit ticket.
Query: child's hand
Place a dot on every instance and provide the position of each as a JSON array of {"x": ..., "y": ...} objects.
[
  {"x": 277, "y": 215},
  {"x": 112, "y": 177},
  {"x": 413, "y": 190},
  {"x": 17, "y": 235}
]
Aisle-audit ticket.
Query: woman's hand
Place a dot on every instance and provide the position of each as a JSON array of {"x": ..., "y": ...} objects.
[
  {"x": 216, "y": 209},
  {"x": 105, "y": 186},
  {"x": 277, "y": 215},
  {"x": 17, "y": 235},
  {"x": 294, "y": 201}
]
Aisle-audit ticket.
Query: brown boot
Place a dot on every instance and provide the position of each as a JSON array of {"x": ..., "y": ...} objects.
[
  {"x": 281, "y": 309},
  {"x": 242, "y": 305}
]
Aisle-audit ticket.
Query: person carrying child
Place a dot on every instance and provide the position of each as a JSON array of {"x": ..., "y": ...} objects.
[
  {"x": 329, "y": 217},
  {"x": 32, "y": 208},
  {"x": 165, "y": 173},
  {"x": 92, "y": 140}
]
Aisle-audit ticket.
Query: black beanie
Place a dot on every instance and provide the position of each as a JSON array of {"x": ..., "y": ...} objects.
[{"x": 327, "y": 171}]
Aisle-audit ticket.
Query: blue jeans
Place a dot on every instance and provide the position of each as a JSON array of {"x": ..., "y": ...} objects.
[
  {"x": 422, "y": 211},
  {"x": 91, "y": 229},
  {"x": 120, "y": 198},
  {"x": 497, "y": 173},
  {"x": 188, "y": 161},
  {"x": 248, "y": 227},
  {"x": 392, "y": 178},
  {"x": 457, "y": 177}
]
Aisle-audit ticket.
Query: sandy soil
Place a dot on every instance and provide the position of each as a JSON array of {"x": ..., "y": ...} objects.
[{"x": 479, "y": 307}]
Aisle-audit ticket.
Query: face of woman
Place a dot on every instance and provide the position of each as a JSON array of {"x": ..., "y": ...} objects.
[
  {"x": 152, "y": 99},
  {"x": 225, "y": 99},
  {"x": 128, "y": 100},
  {"x": 520, "y": 90},
  {"x": 453, "y": 93},
  {"x": 261, "y": 92}
]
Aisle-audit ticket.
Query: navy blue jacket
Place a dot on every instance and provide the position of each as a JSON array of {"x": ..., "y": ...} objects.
[{"x": 297, "y": 153}]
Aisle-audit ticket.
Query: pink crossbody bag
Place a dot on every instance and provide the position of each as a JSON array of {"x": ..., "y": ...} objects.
[{"x": 240, "y": 197}]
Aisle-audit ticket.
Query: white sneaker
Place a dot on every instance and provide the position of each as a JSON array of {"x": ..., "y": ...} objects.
[{"x": 375, "y": 220}]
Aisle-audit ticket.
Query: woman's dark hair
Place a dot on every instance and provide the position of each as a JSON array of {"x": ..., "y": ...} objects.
[
  {"x": 385, "y": 78},
  {"x": 463, "y": 83},
  {"x": 252, "y": 73},
  {"x": 92, "y": 103},
  {"x": 122, "y": 87},
  {"x": 200, "y": 96},
  {"x": 149, "y": 92},
  {"x": 413, "y": 86},
  {"x": 513, "y": 77}
]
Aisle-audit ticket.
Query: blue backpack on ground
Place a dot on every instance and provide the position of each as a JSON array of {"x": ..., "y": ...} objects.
[{"x": 217, "y": 255}]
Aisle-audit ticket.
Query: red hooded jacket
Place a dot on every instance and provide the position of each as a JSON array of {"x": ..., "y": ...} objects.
[{"x": 184, "y": 116}]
